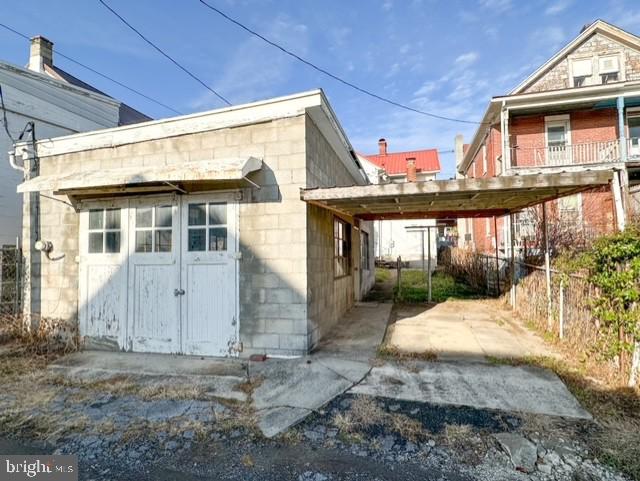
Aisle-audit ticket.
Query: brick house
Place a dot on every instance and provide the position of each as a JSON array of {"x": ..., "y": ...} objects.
[
  {"x": 187, "y": 234},
  {"x": 392, "y": 239},
  {"x": 580, "y": 110}
]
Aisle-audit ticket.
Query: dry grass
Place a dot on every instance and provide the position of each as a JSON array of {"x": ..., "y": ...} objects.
[
  {"x": 616, "y": 438},
  {"x": 457, "y": 434},
  {"x": 365, "y": 414},
  {"x": 250, "y": 385},
  {"x": 162, "y": 390},
  {"x": 391, "y": 352},
  {"x": 241, "y": 417}
]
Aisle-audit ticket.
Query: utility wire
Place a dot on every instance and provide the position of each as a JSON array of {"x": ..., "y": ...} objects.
[
  {"x": 5, "y": 122},
  {"x": 329, "y": 74},
  {"x": 175, "y": 62},
  {"x": 111, "y": 79}
]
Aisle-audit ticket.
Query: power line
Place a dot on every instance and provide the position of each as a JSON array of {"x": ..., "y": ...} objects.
[
  {"x": 175, "y": 62},
  {"x": 111, "y": 79},
  {"x": 329, "y": 74}
]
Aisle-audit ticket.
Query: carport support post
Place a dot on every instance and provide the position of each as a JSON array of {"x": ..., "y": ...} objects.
[
  {"x": 428, "y": 257},
  {"x": 547, "y": 262},
  {"x": 513, "y": 263},
  {"x": 422, "y": 240},
  {"x": 495, "y": 229}
]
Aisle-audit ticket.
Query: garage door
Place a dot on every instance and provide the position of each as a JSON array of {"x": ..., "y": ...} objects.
[{"x": 171, "y": 282}]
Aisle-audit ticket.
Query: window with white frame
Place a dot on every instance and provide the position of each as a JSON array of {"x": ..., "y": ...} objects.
[
  {"x": 207, "y": 229},
  {"x": 484, "y": 159},
  {"x": 104, "y": 231},
  {"x": 582, "y": 72},
  {"x": 609, "y": 69},
  {"x": 154, "y": 229},
  {"x": 364, "y": 250},
  {"x": 558, "y": 139},
  {"x": 569, "y": 208}
]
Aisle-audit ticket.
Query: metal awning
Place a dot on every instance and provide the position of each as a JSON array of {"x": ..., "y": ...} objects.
[
  {"x": 144, "y": 179},
  {"x": 459, "y": 198}
]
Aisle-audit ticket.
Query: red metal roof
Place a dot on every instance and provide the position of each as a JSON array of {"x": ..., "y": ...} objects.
[{"x": 396, "y": 162}]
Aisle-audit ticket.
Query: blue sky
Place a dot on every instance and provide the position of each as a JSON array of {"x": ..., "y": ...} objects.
[{"x": 448, "y": 57}]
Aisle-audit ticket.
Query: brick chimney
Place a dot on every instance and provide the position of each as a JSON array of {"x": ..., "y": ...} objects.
[
  {"x": 40, "y": 54},
  {"x": 412, "y": 175},
  {"x": 382, "y": 146}
]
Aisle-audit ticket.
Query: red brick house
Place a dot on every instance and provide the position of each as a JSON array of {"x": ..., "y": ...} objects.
[{"x": 580, "y": 110}]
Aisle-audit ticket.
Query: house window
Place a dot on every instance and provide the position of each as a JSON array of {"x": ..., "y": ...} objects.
[
  {"x": 569, "y": 209},
  {"x": 608, "y": 69},
  {"x": 364, "y": 250},
  {"x": 634, "y": 135},
  {"x": 582, "y": 71},
  {"x": 484, "y": 159},
  {"x": 487, "y": 226},
  {"x": 499, "y": 164},
  {"x": 153, "y": 229},
  {"x": 207, "y": 228},
  {"x": 342, "y": 247},
  {"x": 557, "y": 137},
  {"x": 104, "y": 231}
]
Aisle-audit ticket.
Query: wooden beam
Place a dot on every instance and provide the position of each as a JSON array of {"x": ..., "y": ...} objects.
[
  {"x": 442, "y": 214},
  {"x": 514, "y": 182}
]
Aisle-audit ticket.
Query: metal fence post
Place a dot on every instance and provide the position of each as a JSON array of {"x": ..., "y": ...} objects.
[
  {"x": 513, "y": 262},
  {"x": 399, "y": 275},
  {"x": 547, "y": 262},
  {"x": 561, "y": 307}
]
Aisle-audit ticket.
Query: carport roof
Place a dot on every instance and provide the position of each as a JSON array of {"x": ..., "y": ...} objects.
[{"x": 459, "y": 198}]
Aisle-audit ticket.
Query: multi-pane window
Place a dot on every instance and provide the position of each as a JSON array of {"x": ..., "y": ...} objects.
[
  {"x": 364, "y": 250},
  {"x": 207, "y": 226},
  {"x": 342, "y": 247},
  {"x": 104, "y": 231},
  {"x": 154, "y": 229}
]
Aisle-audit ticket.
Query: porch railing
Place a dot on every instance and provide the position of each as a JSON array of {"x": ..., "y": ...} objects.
[{"x": 572, "y": 154}]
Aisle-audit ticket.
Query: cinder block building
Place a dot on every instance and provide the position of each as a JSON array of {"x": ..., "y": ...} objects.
[
  {"x": 580, "y": 110},
  {"x": 188, "y": 235}
]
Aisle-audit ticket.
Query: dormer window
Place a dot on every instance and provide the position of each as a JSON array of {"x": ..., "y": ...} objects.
[
  {"x": 609, "y": 69},
  {"x": 582, "y": 71}
]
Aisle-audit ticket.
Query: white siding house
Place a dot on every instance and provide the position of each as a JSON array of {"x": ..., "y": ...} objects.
[{"x": 57, "y": 105}]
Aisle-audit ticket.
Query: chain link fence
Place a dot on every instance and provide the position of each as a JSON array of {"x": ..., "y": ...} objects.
[{"x": 11, "y": 278}]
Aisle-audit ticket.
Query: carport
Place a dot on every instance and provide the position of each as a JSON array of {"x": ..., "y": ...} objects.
[{"x": 458, "y": 198}]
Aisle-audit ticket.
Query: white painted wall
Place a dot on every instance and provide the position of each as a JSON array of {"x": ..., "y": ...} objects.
[
  {"x": 393, "y": 240},
  {"x": 57, "y": 109},
  {"x": 391, "y": 237}
]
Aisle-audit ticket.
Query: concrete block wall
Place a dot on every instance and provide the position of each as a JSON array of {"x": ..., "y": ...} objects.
[
  {"x": 328, "y": 297},
  {"x": 273, "y": 227}
]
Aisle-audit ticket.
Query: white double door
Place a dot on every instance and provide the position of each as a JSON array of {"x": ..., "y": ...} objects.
[{"x": 179, "y": 260}]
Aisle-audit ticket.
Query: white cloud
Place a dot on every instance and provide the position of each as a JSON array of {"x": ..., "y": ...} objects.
[
  {"x": 496, "y": 5},
  {"x": 467, "y": 58},
  {"x": 557, "y": 7}
]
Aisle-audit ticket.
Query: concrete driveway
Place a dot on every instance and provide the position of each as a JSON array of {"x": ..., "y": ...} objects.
[{"x": 462, "y": 330}]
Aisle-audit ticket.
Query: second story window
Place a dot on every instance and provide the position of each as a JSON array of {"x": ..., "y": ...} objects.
[
  {"x": 608, "y": 69},
  {"x": 582, "y": 71}
]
